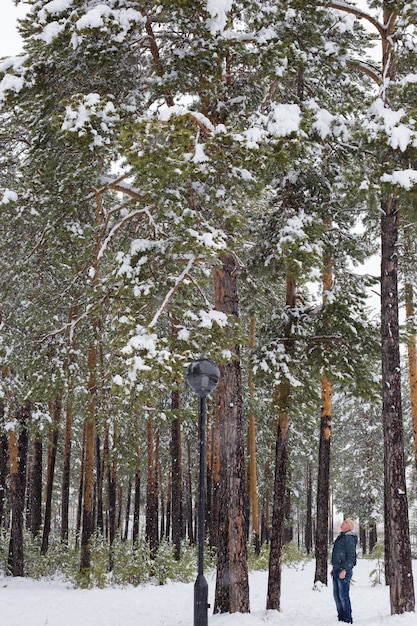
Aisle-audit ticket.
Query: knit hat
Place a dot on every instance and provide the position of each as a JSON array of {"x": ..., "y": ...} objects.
[{"x": 350, "y": 523}]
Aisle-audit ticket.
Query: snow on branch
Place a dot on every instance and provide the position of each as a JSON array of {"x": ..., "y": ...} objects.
[
  {"x": 117, "y": 227},
  {"x": 350, "y": 8},
  {"x": 172, "y": 291}
]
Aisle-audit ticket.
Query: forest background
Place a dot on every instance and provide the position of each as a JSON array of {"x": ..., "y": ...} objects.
[{"x": 185, "y": 179}]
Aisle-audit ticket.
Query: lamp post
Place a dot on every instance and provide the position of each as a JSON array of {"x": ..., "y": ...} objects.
[{"x": 202, "y": 376}]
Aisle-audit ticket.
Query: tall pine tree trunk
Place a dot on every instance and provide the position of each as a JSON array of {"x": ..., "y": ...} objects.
[
  {"x": 176, "y": 476},
  {"x": 323, "y": 478},
  {"x": 36, "y": 485},
  {"x": 253, "y": 489},
  {"x": 56, "y": 406},
  {"x": 152, "y": 496},
  {"x": 278, "y": 507},
  {"x": 17, "y": 448},
  {"x": 308, "y": 533},
  {"x": 88, "y": 477},
  {"x": 283, "y": 399},
  {"x": 136, "y": 507},
  {"x": 232, "y": 586},
  {"x": 322, "y": 520},
  {"x": 400, "y": 576},
  {"x": 412, "y": 362}
]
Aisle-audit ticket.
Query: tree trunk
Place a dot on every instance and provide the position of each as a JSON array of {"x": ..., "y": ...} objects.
[
  {"x": 412, "y": 363},
  {"x": 278, "y": 507},
  {"x": 110, "y": 464},
  {"x": 283, "y": 398},
  {"x": 396, "y": 505},
  {"x": 176, "y": 476},
  {"x": 136, "y": 509},
  {"x": 373, "y": 537},
  {"x": 88, "y": 479},
  {"x": 66, "y": 472},
  {"x": 3, "y": 475},
  {"x": 214, "y": 474},
  {"x": 127, "y": 513},
  {"x": 232, "y": 586},
  {"x": 52, "y": 449},
  {"x": 308, "y": 533},
  {"x": 189, "y": 499},
  {"x": 253, "y": 489},
  {"x": 36, "y": 486},
  {"x": 152, "y": 513},
  {"x": 322, "y": 521},
  {"x": 17, "y": 448}
]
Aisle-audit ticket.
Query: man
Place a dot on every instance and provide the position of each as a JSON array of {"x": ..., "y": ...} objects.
[{"x": 343, "y": 560}]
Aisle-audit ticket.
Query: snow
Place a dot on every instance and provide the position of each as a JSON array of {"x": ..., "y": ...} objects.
[
  {"x": 403, "y": 178},
  {"x": 218, "y": 10},
  {"x": 25, "y": 601}
]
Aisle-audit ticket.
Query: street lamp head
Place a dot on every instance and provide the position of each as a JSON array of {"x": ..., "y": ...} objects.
[{"x": 203, "y": 376}]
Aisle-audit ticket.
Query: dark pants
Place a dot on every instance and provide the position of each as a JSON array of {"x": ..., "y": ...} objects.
[{"x": 341, "y": 588}]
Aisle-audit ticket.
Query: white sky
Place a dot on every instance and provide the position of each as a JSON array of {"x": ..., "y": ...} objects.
[{"x": 10, "y": 42}]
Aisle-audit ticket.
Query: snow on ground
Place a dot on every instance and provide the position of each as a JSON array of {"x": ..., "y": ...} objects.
[{"x": 25, "y": 602}]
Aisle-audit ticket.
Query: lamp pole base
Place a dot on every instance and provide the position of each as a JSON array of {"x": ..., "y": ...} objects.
[{"x": 200, "y": 601}]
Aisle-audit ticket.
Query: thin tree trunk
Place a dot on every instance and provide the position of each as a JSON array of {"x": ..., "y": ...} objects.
[
  {"x": 232, "y": 587},
  {"x": 323, "y": 478},
  {"x": 136, "y": 510},
  {"x": 412, "y": 363},
  {"x": 283, "y": 400},
  {"x": 66, "y": 471},
  {"x": 152, "y": 513},
  {"x": 308, "y": 533},
  {"x": 189, "y": 487},
  {"x": 110, "y": 464},
  {"x": 56, "y": 407},
  {"x": 322, "y": 518},
  {"x": 17, "y": 448},
  {"x": 214, "y": 464},
  {"x": 278, "y": 509},
  {"x": 253, "y": 490},
  {"x": 36, "y": 486},
  {"x": 3, "y": 473},
  {"x": 396, "y": 521},
  {"x": 127, "y": 514},
  {"x": 88, "y": 480},
  {"x": 176, "y": 476},
  {"x": 66, "y": 463}
]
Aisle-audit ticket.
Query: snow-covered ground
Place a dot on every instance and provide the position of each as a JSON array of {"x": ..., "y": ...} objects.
[{"x": 25, "y": 602}]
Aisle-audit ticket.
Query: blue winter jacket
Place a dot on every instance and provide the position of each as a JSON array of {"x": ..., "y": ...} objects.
[{"x": 344, "y": 551}]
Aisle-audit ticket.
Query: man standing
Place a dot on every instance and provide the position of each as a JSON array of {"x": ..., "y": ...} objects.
[{"x": 343, "y": 560}]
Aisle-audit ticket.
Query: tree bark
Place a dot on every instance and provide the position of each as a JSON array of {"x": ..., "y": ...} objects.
[
  {"x": 66, "y": 472},
  {"x": 396, "y": 504},
  {"x": 308, "y": 533},
  {"x": 189, "y": 498},
  {"x": 17, "y": 448},
  {"x": 278, "y": 507},
  {"x": 176, "y": 477},
  {"x": 136, "y": 509},
  {"x": 36, "y": 486},
  {"x": 152, "y": 513},
  {"x": 322, "y": 520},
  {"x": 283, "y": 399},
  {"x": 88, "y": 478},
  {"x": 232, "y": 586},
  {"x": 56, "y": 406},
  {"x": 3, "y": 475},
  {"x": 412, "y": 363},
  {"x": 253, "y": 490}
]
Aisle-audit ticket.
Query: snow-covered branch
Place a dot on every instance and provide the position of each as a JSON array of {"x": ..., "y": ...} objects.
[
  {"x": 172, "y": 291},
  {"x": 350, "y": 8}
]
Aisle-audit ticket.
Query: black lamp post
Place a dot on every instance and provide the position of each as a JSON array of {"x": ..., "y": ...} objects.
[{"x": 202, "y": 376}]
